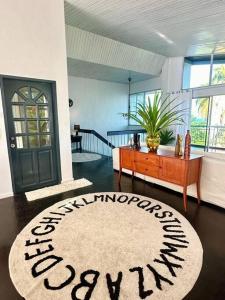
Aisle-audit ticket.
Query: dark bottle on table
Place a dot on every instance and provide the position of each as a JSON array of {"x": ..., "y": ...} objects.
[{"x": 136, "y": 141}]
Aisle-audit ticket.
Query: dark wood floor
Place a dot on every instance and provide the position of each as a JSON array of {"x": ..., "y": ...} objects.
[{"x": 208, "y": 221}]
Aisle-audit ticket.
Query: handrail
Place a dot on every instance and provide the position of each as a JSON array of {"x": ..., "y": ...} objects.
[
  {"x": 127, "y": 131},
  {"x": 99, "y": 136},
  {"x": 109, "y": 142}
]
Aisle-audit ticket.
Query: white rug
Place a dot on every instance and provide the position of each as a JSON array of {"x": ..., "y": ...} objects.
[
  {"x": 106, "y": 246},
  {"x": 85, "y": 157},
  {"x": 57, "y": 189}
]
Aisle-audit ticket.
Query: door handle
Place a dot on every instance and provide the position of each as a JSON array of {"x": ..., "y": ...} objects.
[{"x": 12, "y": 142}]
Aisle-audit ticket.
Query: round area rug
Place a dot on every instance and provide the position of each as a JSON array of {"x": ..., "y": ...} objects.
[
  {"x": 85, "y": 157},
  {"x": 106, "y": 246}
]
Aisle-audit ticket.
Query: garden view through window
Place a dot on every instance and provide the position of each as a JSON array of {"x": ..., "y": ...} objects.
[
  {"x": 208, "y": 122},
  {"x": 207, "y": 113}
]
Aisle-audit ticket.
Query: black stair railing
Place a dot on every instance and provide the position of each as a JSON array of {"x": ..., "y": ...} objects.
[
  {"x": 124, "y": 137},
  {"x": 94, "y": 142}
]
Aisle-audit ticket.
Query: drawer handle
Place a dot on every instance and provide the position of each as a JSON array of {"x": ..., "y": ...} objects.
[
  {"x": 146, "y": 158},
  {"x": 146, "y": 169}
]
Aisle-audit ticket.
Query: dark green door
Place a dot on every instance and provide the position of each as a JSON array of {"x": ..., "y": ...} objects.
[{"x": 31, "y": 134}]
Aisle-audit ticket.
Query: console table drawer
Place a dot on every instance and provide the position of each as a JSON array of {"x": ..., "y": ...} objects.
[
  {"x": 146, "y": 169},
  {"x": 146, "y": 158},
  {"x": 126, "y": 157}
]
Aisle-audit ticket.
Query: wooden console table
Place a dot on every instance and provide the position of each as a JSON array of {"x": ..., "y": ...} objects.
[{"x": 163, "y": 165}]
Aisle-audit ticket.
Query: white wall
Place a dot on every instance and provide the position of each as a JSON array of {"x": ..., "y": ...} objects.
[
  {"x": 98, "y": 104},
  {"x": 32, "y": 35},
  {"x": 169, "y": 80},
  {"x": 172, "y": 72},
  {"x": 146, "y": 85}
]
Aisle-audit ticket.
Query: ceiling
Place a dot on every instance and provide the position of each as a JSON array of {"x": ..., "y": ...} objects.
[
  {"x": 167, "y": 27},
  {"x": 101, "y": 72}
]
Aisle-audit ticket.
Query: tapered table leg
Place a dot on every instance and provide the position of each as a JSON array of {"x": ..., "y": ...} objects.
[
  {"x": 185, "y": 198},
  {"x": 198, "y": 192},
  {"x": 120, "y": 171},
  {"x": 198, "y": 182}
]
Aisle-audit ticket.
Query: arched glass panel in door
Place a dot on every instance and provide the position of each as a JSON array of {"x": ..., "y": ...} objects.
[{"x": 30, "y": 112}]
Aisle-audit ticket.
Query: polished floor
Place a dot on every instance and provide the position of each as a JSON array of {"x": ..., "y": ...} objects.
[{"x": 208, "y": 221}]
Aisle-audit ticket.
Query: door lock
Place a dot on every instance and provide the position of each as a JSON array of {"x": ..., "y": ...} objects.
[{"x": 12, "y": 142}]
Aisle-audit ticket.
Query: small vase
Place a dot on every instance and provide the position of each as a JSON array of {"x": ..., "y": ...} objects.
[
  {"x": 187, "y": 146},
  {"x": 178, "y": 147},
  {"x": 153, "y": 142}
]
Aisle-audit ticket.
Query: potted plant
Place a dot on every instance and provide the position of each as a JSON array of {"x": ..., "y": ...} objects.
[
  {"x": 166, "y": 137},
  {"x": 157, "y": 116}
]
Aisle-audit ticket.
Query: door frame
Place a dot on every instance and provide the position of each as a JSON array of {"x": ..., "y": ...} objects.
[{"x": 55, "y": 122}]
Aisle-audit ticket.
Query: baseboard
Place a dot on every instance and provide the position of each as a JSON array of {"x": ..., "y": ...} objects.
[{"x": 6, "y": 195}]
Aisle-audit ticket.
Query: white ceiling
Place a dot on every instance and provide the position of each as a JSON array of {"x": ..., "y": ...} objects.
[
  {"x": 101, "y": 72},
  {"x": 96, "y": 49},
  {"x": 167, "y": 27}
]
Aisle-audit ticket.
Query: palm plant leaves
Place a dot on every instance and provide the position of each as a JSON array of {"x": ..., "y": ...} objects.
[
  {"x": 158, "y": 115},
  {"x": 219, "y": 76},
  {"x": 203, "y": 106},
  {"x": 166, "y": 137}
]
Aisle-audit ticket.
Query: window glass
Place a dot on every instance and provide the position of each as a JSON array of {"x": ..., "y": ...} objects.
[
  {"x": 33, "y": 141},
  {"x": 25, "y": 91},
  {"x": 217, "y": 122},
  {"x": 18, "y": 111},
  {"x": 31, "y": 111},
  {"x": 44, "y": 126},
  {"x": 32, "y": 126},
  {"x": 134, "y": 100},
  {"x": 218, "y": 73},
  {"x": 34, "y": 92},
  {"x": 208, "y": 123},
  {"x": 199, "y": 75},
  {"x": 45, "y": 140},
  {"x": 140, "y": 98},
  {"x": 42, "y": 99},
  {"x": 199, "y": 117},
  {"x": 133, "y": 103},
  {"x": 20, "y": 127},
  {"x": 17, "y": 98},
  {"x": 151, "y": 95},
  {"x": 21, "y": 142},
  {"x": 43, "y": 112}
]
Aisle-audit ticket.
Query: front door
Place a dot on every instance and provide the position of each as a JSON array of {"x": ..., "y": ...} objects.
[{"x": 31, "y": 134}]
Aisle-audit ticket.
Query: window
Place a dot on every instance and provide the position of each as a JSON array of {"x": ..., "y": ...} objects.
[
  {"x": 208, "y": 122},
  {"x": 218, "y": 71},
  {"x": 141, "y": 98},
  {"x": 196, "y": 72},
  {"x": 203, "y": 71}
]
